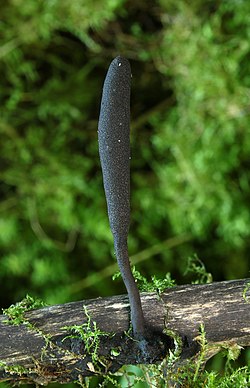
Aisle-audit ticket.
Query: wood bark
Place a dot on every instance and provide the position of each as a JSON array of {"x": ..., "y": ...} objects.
[{"x": 41, "y": 350}]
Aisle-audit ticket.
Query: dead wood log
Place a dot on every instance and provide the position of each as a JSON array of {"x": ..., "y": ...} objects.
[{"x": 42, "y": 350}]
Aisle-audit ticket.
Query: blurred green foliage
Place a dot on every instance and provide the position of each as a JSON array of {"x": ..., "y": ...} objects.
[{"x": 190, "y": 169}]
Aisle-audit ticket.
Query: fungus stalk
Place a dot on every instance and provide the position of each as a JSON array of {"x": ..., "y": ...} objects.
[{"x": 114, "y": 149}]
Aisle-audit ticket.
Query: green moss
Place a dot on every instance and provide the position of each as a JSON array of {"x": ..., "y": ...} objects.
[
  {"x": 197, "y": 269},
  {"x": 91, "y": 335},
  {"x": 156, "y": 284},
  {"x": 15, "y": 312},
  {"x": 246, "y": 292},
  {"x": 18, "y": 370}
]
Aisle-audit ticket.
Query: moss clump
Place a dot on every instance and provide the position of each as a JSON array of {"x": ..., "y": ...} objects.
[{"x": 15, "y": 312}]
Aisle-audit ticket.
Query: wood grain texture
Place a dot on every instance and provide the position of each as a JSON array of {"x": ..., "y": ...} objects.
[{"x": 220, "y": 307}]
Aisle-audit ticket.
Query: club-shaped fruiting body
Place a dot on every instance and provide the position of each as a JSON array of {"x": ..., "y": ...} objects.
[
  {"x": 114, "y": 144},
  {"x": 114, "y": 149}
]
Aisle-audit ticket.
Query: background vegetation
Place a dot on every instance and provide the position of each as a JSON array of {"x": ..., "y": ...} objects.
[{"x": 190, "y": 169}]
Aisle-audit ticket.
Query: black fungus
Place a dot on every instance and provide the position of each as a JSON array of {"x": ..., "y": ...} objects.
[{"x": 114, "y": 149}]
